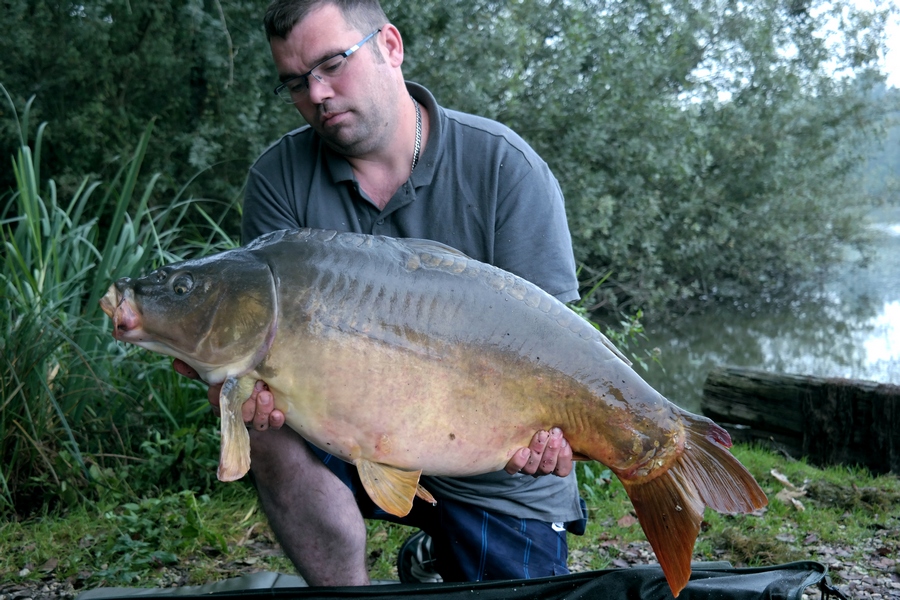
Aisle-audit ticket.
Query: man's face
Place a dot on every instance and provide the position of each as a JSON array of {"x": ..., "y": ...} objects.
[{"x": 351, "y": 112}]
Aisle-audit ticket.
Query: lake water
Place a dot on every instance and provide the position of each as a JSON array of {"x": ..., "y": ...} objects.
[{"x": 849, "y": 328}]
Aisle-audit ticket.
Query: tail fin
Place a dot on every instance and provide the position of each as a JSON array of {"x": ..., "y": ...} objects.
[{"x": 670, "y": 506}]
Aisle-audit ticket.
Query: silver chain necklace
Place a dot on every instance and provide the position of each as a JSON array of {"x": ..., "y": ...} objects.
[{"x": 415, "y": 159}]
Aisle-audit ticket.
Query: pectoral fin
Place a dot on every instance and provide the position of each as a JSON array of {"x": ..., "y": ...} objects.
[
  {"x": 392, "y": 489},
  {"x": 234, "y": 457}
]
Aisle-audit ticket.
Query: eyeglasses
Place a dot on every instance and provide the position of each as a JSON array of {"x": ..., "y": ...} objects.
[{"x": 296, "y": 88}]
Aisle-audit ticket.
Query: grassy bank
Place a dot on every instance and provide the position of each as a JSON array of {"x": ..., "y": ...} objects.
[{"x": 837, "y": 515}]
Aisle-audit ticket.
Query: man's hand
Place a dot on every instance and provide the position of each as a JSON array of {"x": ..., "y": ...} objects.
[
  {"x": 548, "y": 453},
  {"x": 259, "y": 409}
]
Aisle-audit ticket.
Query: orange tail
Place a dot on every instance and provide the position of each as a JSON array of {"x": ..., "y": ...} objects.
[{"x": 670, "y": 506}]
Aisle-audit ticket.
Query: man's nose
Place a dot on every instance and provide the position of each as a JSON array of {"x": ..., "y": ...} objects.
[{"x": 319, "y": 91}]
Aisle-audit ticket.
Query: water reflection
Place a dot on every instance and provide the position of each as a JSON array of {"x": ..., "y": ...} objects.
[{"x": 851, "y": 328}]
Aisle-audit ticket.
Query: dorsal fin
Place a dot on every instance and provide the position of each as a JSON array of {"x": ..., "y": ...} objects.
[{"x": 431, "y": 247}]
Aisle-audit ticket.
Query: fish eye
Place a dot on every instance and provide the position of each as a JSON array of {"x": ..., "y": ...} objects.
[{"x": 182, "y": 284}]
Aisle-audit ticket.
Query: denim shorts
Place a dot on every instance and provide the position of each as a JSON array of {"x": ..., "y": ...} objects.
[{"x": 470, "y": 543}]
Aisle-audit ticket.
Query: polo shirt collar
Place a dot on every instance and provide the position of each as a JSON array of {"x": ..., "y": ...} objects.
[{"x": 424, "y": 171}]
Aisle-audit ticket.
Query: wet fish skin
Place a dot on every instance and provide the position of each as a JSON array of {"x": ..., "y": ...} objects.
[{"x": 405, "y": 356}]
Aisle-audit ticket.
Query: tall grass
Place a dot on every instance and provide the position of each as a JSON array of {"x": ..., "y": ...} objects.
[{"x": 71, "y": 399}]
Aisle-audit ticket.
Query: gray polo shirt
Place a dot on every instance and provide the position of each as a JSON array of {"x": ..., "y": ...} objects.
[{"x": 479, "y": 188}]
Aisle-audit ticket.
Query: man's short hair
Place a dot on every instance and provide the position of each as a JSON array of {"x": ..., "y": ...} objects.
[{"x": 282, "y": 15}]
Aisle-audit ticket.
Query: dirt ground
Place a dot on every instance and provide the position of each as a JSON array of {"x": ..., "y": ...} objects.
[{"x": 875, "y": 577}]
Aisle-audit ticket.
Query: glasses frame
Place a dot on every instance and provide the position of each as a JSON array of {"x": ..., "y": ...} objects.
[{"x": 305, "y": 76}]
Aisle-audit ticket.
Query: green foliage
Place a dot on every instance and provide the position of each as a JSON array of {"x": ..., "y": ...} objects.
[
  {"x": 839, "y": 507},
  {"x": 100, "y": 70},
  {"x": 33, "y": 354},
  {"x": 186, "y": 460},
  {"x": 880, "y": 175},
  {"x": 628, "y": 334},
  {"x": 595, "y": 482},
  {"x": 63, "y": 393},
  {"x": 703, "y": 148},
  {"x": 152, "y": 533}
]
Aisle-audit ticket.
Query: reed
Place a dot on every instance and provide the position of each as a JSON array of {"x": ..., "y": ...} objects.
[{"x": 69, "y": 395}]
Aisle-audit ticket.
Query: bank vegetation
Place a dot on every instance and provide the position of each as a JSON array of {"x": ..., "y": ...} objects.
[{"x": 706, "y": 150}]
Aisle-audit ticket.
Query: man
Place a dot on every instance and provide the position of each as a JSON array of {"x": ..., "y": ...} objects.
[{"x": 380, "y": 156}]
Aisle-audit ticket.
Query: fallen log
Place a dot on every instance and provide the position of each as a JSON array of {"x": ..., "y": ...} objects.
[{"x": 828, "y": 420}]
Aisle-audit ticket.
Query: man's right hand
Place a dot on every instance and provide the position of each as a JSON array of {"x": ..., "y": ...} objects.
[{"x": 259, "y": 409}]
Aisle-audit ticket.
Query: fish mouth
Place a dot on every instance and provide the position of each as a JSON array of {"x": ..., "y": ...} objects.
[
  {"x": 110, "y": 301},
  {"x": 121, "y": 308}
]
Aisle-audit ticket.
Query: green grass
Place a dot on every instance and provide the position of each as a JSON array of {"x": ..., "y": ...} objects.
[
  {"x": 142, "y": 542},
  {"x": 840, "y": 506}
]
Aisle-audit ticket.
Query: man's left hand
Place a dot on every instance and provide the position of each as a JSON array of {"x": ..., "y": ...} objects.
[{"x": 548, "y": 453}]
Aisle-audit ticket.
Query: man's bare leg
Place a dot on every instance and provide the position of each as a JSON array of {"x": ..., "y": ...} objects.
[{"x": 311, "y": 511}]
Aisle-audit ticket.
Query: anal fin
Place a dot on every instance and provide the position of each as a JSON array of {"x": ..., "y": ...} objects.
[
  {"x": 424, "y": 494},
  {"x": 392, "y": 489},
  {"x": 234, "y": 456}
]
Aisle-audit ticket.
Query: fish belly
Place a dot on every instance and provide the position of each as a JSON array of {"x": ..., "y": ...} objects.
[
  {"x": 455, "y": 414},
  {"x": 450, "y": 409}
]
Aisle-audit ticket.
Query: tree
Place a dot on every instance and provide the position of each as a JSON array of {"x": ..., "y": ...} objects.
[
  {"x": 703, "y": 146},
  {"x": 101, "y": 70}
]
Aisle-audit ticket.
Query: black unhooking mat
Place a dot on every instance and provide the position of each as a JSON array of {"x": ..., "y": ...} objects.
[{"x": 709, "y": 581}]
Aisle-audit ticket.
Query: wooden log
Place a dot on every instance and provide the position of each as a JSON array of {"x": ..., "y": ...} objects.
[{"x": 828, "y": 420}]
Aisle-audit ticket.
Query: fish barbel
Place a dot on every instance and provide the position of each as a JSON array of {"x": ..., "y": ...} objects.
[{"x": 406, "y": 357}]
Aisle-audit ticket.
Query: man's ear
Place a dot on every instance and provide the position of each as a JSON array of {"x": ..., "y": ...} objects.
[{"x": 392, "y": 43}]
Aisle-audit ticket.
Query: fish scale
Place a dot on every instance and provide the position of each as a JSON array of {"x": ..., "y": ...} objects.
[{"x": 406, "y": 357}]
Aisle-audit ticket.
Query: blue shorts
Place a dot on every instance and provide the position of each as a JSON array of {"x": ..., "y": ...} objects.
[{"x": 468, "y": 542}]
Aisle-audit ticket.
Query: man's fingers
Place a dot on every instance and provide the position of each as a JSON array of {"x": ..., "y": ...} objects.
[
  {"x": 551, "y": 452},
  {"x": 548, "y": 453},
  {"x": 182, "y": 368},
  {"x": 519, "y": 459},
  {"x": 537, "y": 448},
  {"x": 265, "y": 403},
  {"x": 259, "y": 410},
  {"x": 276, "y": 419},
  {"x": 564, "y": 463},
  {"x": 557, "y": 457},
  {"x": 248, "y": 408}
]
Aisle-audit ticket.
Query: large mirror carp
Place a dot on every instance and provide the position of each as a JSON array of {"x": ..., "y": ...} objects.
[{"x": 406, "y": 357}]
